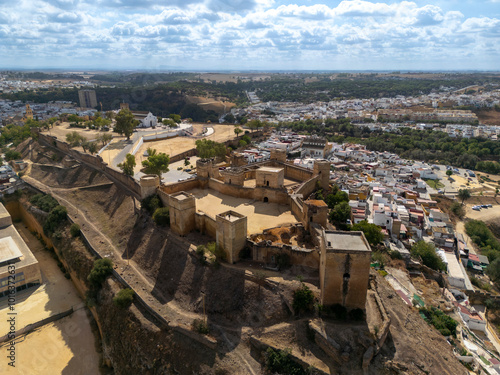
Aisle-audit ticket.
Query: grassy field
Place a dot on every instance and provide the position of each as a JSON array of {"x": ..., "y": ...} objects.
[{"x": 435, "y": 184}]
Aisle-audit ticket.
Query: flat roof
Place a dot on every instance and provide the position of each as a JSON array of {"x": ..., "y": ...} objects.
[
  {"x": 27, "y": 257},
  {"x": 8, "y": 249},
  {"x": 351, "y": 241},
  {"x": 269, "y": 169}
]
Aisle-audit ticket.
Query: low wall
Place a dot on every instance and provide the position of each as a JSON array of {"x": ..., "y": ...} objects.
[
  {"x": 158, "y": 137},
  {"x": 308, "y": 187},
  {"x": 262, "y": 252},
  {"x": 297, "y": 173},
  {"x": 183, "y": 155},
  {"x": 259, "y": 193},
  {"x": 33, "y": 326},
  {"x": 206, "y": 224},
  {"x": 296, "y": 207},
  {"x": 137, "y": 146}
]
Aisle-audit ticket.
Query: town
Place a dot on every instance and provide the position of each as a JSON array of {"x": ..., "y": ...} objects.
[{"x": 254, "y": 225}]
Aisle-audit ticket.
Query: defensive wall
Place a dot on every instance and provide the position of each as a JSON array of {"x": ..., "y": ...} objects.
[{"x": 95, "y": 162}]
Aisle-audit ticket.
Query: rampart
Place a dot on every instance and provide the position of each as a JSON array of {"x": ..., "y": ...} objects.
[{"x": 95, "y": 162}]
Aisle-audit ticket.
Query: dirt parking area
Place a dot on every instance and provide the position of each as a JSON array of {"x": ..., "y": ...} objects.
[
  {"x": 66, "y": 346},
  {"x": 486, "y": 214},
  {"x": 260, "y": 215}
]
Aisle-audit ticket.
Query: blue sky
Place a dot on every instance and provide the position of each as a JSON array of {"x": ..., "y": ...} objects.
[{"x": 250, "y": 34}]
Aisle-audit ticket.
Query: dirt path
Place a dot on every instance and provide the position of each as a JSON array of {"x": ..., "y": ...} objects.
[{"x": 460, "y": 228}]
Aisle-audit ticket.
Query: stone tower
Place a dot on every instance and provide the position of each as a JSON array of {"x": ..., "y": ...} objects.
[
  {"x": 29, "y": 113},
  {"x": 322, "y": 169},
  {"x": 203, "y": 168},
  {"x": 315, "y": 211},
  {"x": 278, "y": 155},
  {"x": 231, "y": 234},
  {"x": 182, "y": 207},
  {"x": 344, "y": 269}
]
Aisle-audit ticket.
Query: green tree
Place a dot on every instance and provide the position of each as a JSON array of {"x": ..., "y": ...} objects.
[
  {"x": 427, "y": 252},
  {"x": 176, "y": 118},
  {"x": 372, "y": 232},
  {"x": 161, "y": 216},
  {"x": 124, "y": 298},
  {"x": 128, "y": 165},
  {"x": 156, "y": 163},
  {"x": 340, "y": 213},
  {"x": 104, "y": 138},
  {"x": 125, "y": 123},
  {"x": 206, "y": 148},
  {"x": 237, "y": 131},
  {"x": 101, "y": 270},
  {"x": 493, "y": 270},
  {"x": 74, "y": 139},
  {"x": 449, "y": 172},
  {"x": 464, "y": 194},
  {"x": 12, "y": 155},
  {"x": 333, "y": 199},
  {"x": 110, "y": 115}
]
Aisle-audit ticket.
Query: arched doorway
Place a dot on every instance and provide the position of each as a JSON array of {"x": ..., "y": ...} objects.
[{"x": 266, "y": 200}]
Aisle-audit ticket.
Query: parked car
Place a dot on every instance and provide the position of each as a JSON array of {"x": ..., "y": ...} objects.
[
  {"x": 489, "y": 205},
  {"x": 476, "y": 208},
  {"x": 484, "y": 206}
]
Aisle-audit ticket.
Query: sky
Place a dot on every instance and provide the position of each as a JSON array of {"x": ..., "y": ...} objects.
[{"x": 250, "y": 34}]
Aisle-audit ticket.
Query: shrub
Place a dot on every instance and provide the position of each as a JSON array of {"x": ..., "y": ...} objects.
[
  {"x": 44, "y": 202},
  {"x": 442, "y": 322},
  {"x": 55, "y": 218},
  {"x": 151, "y": 203},
  {"x": 74, "y": 229},
  {"x": 200, "y": 326},
  {"x": 216, "y": 250},
  {"x": 102, "y": 269},
  {"x": 427, "y": 252},
  {"x": 161, "y": 216},
  {"x": 457, "y": 209},
  {"x": 281, "y": 362},
  {"x": 303, "y": 299},
  {"x": 124, "y": 298},
  {"x": 395, "y": 254}
]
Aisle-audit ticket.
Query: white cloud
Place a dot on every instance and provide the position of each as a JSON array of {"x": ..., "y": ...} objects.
[{"x": 354, "y": 32}]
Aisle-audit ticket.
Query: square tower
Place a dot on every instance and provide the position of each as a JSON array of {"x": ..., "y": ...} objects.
[
  {"x": 322, "y": 169},
  {"x": 182, "y": 208},
  {"x": 270, "y": 177},
  {"x": 344, "y": 269},
  {"x": 315, "y": 211},
  {"x": 231, "y": 233}
]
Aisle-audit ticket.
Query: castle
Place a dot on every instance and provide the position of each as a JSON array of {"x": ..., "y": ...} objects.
[{"x": 342, "y": 258}]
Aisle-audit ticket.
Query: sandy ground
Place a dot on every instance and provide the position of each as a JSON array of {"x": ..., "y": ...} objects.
[
  {"x": 56, "y": 295},
  {"x": 61, "y": 130},
  {"x": 177, "y": 145},
  {"x": 260, "y": 215},
  {"x": 486, "y": 214},
  {"x": 62, "y": 347}
]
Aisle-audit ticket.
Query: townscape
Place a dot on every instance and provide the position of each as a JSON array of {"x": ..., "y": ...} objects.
[{"x": 250, "y": 237}]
